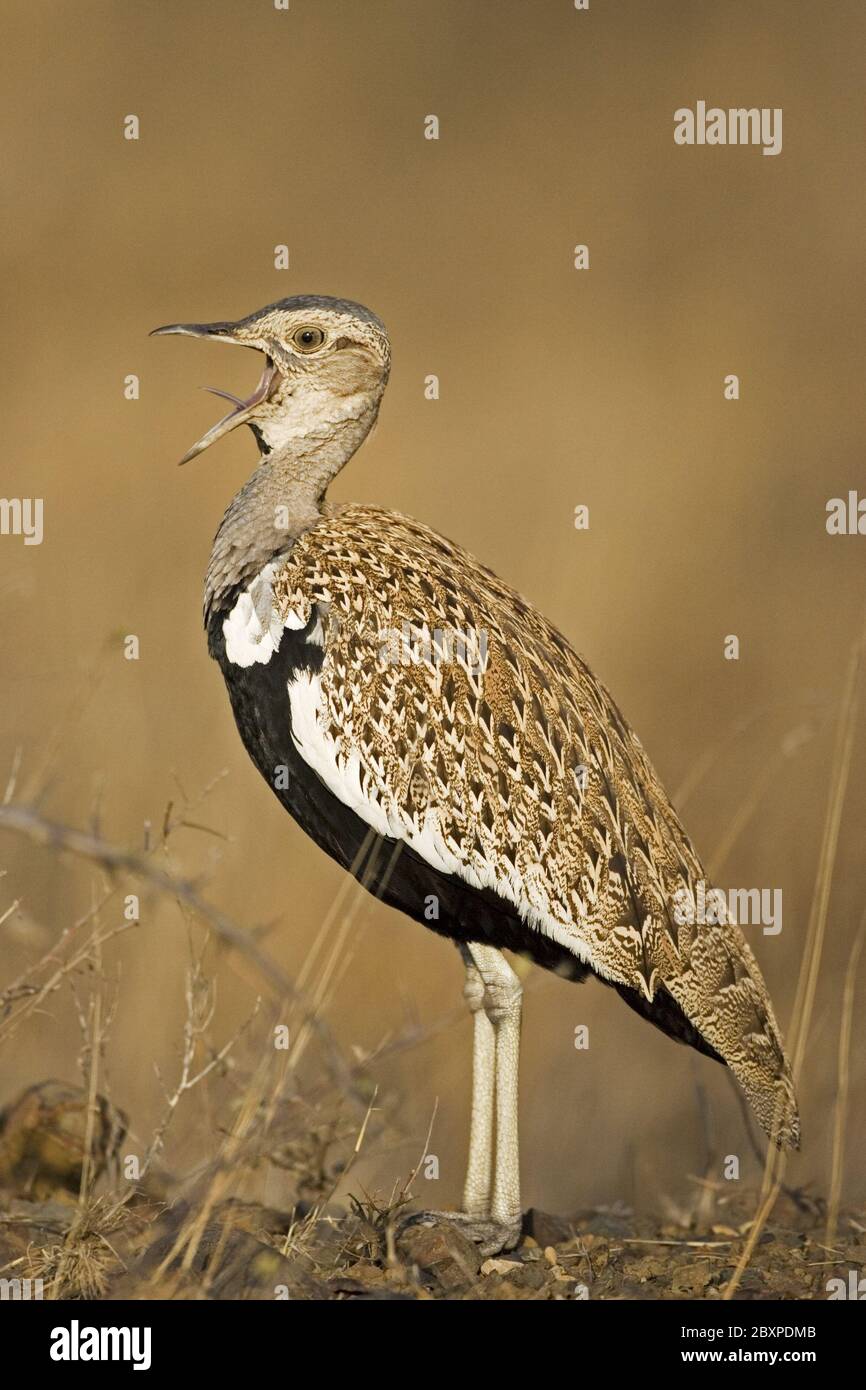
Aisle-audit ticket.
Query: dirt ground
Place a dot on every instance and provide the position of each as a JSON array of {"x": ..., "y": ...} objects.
[{"x": 145, "y": 1241}]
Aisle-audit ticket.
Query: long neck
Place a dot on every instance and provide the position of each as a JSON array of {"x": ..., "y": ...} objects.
[{"x": 282, "y": 499}]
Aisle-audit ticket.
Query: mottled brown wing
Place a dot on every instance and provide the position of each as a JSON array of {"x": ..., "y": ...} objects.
[{"x": 452, "y": 715}]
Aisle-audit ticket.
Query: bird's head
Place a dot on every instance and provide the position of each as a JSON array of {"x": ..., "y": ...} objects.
[{"x": 326, "y": 362}]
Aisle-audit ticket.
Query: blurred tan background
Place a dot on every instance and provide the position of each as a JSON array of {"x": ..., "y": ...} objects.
[{"x": 604, "y": 387}]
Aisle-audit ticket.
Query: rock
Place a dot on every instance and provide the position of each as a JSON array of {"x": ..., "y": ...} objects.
[
  {"x": 546, "y": 1229},
  {"x": 644, "y": 1268},
  {"x": 252, "y": 1217},
  {"x": 617, "y": 1220},
  {"x": 692, "y": 1280},
  {"x": 529, "y": 1276},
  {"x": 43, "y": 1133},
  {"x": 440, "y": 1251},
  {"x": 251, "y": 1270},
  {"x": 502, "y": 1266}
]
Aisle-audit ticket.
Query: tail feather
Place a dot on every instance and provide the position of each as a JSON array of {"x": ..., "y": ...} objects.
[{"x": 718, "y": 984}]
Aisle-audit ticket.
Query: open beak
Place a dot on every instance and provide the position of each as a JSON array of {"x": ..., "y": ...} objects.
[{"x": 243, "y": 410}]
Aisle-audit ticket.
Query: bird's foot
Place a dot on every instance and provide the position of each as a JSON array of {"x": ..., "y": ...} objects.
[{"x": 491, "y": 1237}]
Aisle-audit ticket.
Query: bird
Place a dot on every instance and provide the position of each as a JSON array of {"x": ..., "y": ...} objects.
[{"x": 441, "y": 740}]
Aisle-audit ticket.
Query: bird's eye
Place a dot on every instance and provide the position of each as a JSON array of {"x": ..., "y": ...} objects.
[{"x": 307, "y": 338}]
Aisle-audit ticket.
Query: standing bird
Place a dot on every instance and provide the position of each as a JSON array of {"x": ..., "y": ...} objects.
[{"x": 434, "y": 734}]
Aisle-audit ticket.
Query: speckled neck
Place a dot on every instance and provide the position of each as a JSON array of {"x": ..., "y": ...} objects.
[{"x": 281, "y": 500}]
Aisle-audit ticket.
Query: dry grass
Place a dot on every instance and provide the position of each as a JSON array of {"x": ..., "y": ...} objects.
[{"x": 774, "y": 1168}]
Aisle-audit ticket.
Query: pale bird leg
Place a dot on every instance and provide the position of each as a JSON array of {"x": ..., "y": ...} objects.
[
  {"x": 491, "y": 1215},
  {"x": 502, "y": 1002},
  {"x": 479, "y": 1171}
]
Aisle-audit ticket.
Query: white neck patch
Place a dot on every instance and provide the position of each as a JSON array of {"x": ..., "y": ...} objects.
[{"x": 253, "y": 630}]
